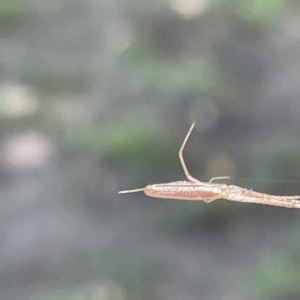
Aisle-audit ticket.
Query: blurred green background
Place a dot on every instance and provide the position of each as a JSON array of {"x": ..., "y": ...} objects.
[{"x": 96, "y": 96}]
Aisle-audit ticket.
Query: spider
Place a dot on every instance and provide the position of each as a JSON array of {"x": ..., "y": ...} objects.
[{"x": 196, "y": 190}]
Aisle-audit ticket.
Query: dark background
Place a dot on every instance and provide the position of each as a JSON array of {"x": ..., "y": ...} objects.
[{"x": 96, "y": 96}]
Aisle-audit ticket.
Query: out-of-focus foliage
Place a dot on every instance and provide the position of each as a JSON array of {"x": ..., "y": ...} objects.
[
  {"x": 185, "y": 76},
  {"x": 50, "y": 84},
  {"x": 12, "y": 16},
  {"x": 275, "y": 275},
  {"x": 274, "y": 156},
  {"x": 97, "y": 96},
  {"x": 126, "y": 279},
  {"x": 255, "y": 12}
]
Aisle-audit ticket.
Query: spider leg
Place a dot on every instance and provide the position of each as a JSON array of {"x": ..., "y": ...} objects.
[
  {"x": 211, "y": 200},
  {"x": 218, "y": 178},
  {"x": 180, "y": 154}
]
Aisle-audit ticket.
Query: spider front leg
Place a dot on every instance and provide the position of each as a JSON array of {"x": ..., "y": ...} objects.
[
  {"x": 180, "y": 154},
  {"x": 184, "y": 167}
]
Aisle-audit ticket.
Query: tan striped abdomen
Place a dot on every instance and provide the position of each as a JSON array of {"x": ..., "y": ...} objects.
[{"x": 182, "y": 190}]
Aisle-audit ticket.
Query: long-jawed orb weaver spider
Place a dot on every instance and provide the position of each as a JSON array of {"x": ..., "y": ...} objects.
[{"x": 196, "y": 190}]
